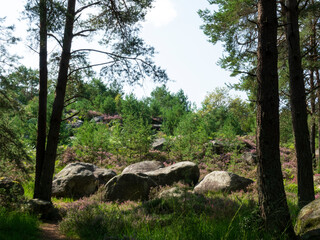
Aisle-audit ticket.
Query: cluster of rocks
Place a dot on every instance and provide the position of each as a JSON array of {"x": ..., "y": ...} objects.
[{"x": 135, "y": 182}]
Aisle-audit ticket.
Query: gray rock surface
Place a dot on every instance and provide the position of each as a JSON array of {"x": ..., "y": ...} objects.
[
  {"x": 172, "y": 192},
  {"x": 187, "y": 172},
  {"x": 77, "y": 180},
  {"x": 103, "y": 175},
  {"x": 308, "y": 221},
  {"x": 128, "y": 186},
  {"x": 158, "y": 143},
  {"x": 44, "y": 209},
  {"x": 142, "y": 167},
  {"x": 222, "y": 181},
  {"x": 250, "y": 158}
]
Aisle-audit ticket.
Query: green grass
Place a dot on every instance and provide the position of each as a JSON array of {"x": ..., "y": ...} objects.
[
  {"x": 17, "y": 225},
  {"x": 28, "y": 189}
]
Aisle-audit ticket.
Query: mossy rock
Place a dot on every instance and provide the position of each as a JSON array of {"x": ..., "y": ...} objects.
[
  {"x": 308, "y": 221},
  {"x": 11, "y": 189}
]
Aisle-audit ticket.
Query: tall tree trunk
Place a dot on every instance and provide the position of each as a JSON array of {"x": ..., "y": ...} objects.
[
  {"x": 299, "y": 108},
  {"x": 58, "y": 105},
  {"x": 313, "y": 120},
  {"x": 318, "y": 96},
  {"x": 42, "y": 114},
  {"x": 272, "y": 198}
]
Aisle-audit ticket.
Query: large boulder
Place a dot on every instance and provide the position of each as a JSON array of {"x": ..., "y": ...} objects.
[
  {"x": 103, "y": 175},
  {"x": 128, "y": 187},
  {"x": 308, "y": 221},
  {"x": 222, "y": 181},
  {"x": 77, "y": 180},
  {"x": 142, "y": 167},
  {"x": 187, "y": 172}
]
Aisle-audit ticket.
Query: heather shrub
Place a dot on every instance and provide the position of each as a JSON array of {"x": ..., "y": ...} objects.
[{"x": 186, "y": 217}]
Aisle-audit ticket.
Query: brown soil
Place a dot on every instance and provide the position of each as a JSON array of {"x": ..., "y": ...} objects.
[{"x": 50, "y": 231}]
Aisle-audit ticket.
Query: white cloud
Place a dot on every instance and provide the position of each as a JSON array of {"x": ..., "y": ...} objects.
[{"x": 162, "y": 13}]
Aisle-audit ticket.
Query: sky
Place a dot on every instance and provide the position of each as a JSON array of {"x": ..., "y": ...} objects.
[{"x": 172, "y": 27}]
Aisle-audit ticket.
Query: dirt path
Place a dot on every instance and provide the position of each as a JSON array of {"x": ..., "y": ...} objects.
[{"x": 50, "y": 231}]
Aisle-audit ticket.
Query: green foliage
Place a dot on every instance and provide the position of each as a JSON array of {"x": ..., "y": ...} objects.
[
  {"x": 190, "y": 137},
  {"x": 225, "y": 116},
  {"x": 14, "y": 158},
  {"x": 286, "y": 131},
  {"x": 18, "y": 225},
  {"x": 98, "y": 96},
  {"x": 24, "y": 82},
  {"x": 136, "y": 136},
  {"x": 171, "y": 107},
  {"x": 131, "y": 106},
  {"x": 95, "y": 136},
  {"x": 90, "y": 140},
  {"x": 236, "y": 20}
]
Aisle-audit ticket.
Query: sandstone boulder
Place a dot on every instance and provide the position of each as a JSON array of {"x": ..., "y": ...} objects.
[
  {"x": 187, "y": 172},
  {"x": 77, "y": 180},
  {"x": 128, "y": 187},
  {"x": 142, "y": 167},
  {"x": 103, "y": 175},
  {"x": 222, "y": 181},
  {"x": 308, "y": 221}
]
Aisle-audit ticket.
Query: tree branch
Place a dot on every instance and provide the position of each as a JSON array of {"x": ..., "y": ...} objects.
[
  {"x": 90, "y": 66},
  {"x": 51, "y": 35},
  {"x": 81, "y": 33},
  {"x": 87, "y": 6}
]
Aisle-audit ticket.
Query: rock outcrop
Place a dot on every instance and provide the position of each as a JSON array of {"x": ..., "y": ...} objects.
[
  {"x": 308, "y": 221},
  {"x": 128, "y": 187},
  {"x": 222, "y": 181},
  {"x": 77, "y": 180},
  {"x": 186, "y": 172},
  {"x": 142, "y": 167}
]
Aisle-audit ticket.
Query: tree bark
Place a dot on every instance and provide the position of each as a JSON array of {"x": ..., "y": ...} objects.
[
  {"x": 299, "y": 108},
  {"x": 42, "y": 114},
  {"x": 313, "y": 120},
  {"x": 58, "y": 105},
  {"x": 272, "y": 198},
  {"x": 318, "y": 96}
]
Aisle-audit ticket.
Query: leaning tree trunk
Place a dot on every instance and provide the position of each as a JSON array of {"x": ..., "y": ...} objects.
[
  {"x": 58, "y": 105},
  {"x": 299, "y": 108},
  {"x": 42, "y": 114},
  {"x": 272, "y": 198}
]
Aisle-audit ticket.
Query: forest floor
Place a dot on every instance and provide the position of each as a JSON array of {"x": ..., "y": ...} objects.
[{"x": 50, "y": 231}]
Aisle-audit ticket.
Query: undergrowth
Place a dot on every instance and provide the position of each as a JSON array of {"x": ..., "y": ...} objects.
[
  {"x": 186, "y": 217},
  {"x": 16, "y": 225}
]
